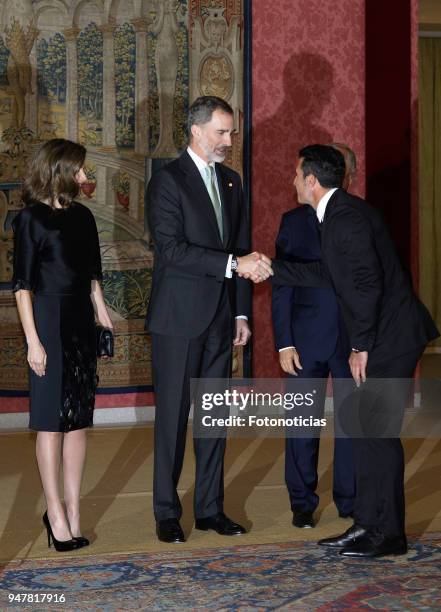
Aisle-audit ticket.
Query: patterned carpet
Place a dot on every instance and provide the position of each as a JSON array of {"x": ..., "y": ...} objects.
[{"x": 293, "y": 576}]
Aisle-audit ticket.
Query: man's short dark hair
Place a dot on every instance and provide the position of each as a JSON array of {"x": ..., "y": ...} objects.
[
  {"x": 202, "y": 109},
  {"x": 325, "y": 163}
]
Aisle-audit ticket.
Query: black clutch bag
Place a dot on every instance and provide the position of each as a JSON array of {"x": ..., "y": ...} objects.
[{"x": 104, "y": 341}]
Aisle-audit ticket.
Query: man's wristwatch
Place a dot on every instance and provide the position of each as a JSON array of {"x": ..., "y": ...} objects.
[{"x": 234, "y": 264}]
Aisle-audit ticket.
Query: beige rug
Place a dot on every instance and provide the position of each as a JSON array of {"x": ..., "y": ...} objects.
[{"x": 117, "y": 494}]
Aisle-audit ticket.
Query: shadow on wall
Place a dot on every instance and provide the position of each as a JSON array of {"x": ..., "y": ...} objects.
[{"x": 308, "y": 82}]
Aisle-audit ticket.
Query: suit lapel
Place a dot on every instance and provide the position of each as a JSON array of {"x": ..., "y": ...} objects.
[
  {"x": 199, "y": 192},
  {"x": 331, "y": 204},
  {"x": 314, "y": 225},
  {"x": 333, "y": 200},
  {"x": 226, "y": 193}
]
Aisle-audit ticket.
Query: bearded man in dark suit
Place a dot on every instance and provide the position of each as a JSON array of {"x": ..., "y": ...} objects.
[
  {"x": 388, "y": 329},
  {"x": 198, "y": 308}
]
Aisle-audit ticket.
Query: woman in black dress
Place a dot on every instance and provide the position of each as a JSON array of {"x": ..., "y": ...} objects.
[{"x": 57, "y": 259}]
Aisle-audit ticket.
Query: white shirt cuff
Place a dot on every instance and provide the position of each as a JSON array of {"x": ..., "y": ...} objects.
[
  {"x": 285, "y": 348},
  {"x": 229, "y": 271},
  {"x": 229, "y": 274}
]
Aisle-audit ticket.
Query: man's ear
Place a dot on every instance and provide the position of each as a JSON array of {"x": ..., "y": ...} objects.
[
  {"x": 311, "y": 181},
  {"x": 195, "y": 131}
]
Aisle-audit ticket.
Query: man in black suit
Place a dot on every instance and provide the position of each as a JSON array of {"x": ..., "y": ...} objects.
[
  {"x": 388, "y": 329},
  {"x": 312, "y": 343},
  {"x": 197, "y": 309}
]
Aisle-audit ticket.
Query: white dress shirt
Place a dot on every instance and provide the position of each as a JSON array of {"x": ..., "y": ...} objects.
[
  {"x": 321, "y": 208},
  {"x": 201, "y": 164}
]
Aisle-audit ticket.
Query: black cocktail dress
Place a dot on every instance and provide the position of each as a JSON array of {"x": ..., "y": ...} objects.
[{"x": 56, "y": 256}]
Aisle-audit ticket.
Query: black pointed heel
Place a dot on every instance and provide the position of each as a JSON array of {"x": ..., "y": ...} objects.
[
  {"x": 59, "y": 545},
  {"x": 82, "y": 541}
]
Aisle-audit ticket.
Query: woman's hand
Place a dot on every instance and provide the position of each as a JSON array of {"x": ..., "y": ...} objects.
[
  {"x": 36, "y": 353},
  {"x": 99, "y": 305},
  {"x": 105, "y": 320},
  {"x": 37, "y": 358}
]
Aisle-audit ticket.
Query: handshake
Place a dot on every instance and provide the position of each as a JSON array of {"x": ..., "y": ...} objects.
[{"x": 255, "y": 267}]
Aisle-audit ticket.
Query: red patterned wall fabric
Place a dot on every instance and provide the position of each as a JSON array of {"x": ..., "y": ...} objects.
[{"x": 308, "y": 87}]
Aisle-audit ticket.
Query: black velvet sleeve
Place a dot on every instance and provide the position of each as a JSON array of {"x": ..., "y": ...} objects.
[
  {"x": 26, "y": 242},
  {"x": 96, "y": 273}
]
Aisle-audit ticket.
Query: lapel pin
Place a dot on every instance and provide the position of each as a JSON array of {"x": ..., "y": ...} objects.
[{"x": 230, "y": 184}]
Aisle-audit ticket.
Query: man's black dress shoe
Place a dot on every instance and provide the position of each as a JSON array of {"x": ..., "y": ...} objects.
[
  {"x": 303, "y": 520},
  {"x": 170, "y": 531},
  {"x": 221, "y": 524},
  {"x": 349, "y": 537},
  {"x": 373, "y": 546}
]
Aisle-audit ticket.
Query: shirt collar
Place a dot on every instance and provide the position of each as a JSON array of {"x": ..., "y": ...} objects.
[
  {"x": 321, "y": 208},
  {"x": 200, "y": 163}
]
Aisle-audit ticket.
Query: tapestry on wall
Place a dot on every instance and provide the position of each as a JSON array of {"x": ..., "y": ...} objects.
[{"x": 117, "y": 76}]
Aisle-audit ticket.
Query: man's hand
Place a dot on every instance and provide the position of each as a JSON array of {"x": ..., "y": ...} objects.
[
  {"x": 289, "y": 358},
  {"x": 358, "y": 363},
  {"x": 243, "y": 332},
  {"x": 255, "y": 266}
]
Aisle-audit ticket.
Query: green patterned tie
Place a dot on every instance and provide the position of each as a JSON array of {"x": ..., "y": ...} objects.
[{"x": 210, "y": 183}]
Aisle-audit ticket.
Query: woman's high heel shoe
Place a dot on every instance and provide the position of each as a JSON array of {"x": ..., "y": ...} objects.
[
  {"x": 81, "y": 541},
  {"x": 59, "y": 545}
]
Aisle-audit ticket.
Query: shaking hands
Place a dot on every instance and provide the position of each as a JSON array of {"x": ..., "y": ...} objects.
[{"x": 255, "y": 266}]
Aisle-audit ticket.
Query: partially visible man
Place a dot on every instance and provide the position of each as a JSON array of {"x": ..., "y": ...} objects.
[
  {"x": 312, "y": 342},
  {"x": 197, "y": 308},
  {"x": 350, "y": 163},
  {"x": 388, "y": 329}
]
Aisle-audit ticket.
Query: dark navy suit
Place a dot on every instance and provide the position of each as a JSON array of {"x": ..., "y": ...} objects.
[{"x": 308, "y": 319}]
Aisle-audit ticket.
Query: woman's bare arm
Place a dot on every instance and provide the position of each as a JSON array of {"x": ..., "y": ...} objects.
[
  {"x": 36, "y": 354},
  {"x": 100, "y": 305}
]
